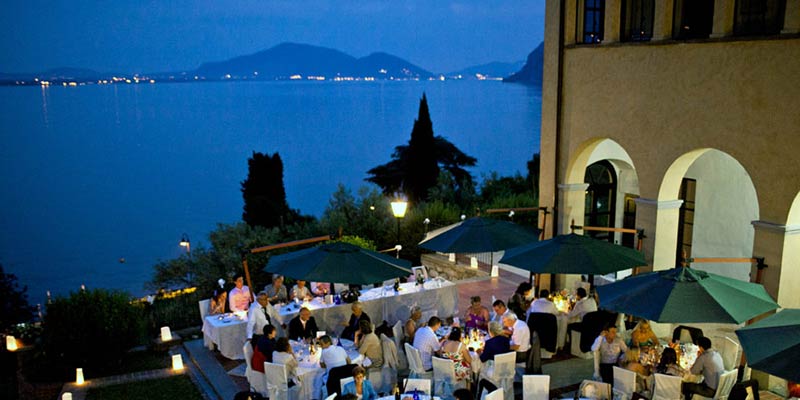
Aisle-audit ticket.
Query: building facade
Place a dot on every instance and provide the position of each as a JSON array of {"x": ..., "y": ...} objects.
[{"x": 680, "y": 118}]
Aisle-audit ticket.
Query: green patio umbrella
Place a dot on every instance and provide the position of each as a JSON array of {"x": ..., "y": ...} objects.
[
  {"x": 573, "y": 254},
  {"x": 686, "y": 295},
  {"x": 773, "y": 344},
  {"x": 479, "y": 235},
  {"x": 338, "y": 262}
]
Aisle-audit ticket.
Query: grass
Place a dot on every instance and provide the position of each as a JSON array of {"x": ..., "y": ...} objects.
[{"x": 176, "y": 387}]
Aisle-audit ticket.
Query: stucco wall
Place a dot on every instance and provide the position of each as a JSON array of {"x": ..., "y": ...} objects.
[
  {"x": 659, "y": 101},
  {"x": 725, "y": 205}
]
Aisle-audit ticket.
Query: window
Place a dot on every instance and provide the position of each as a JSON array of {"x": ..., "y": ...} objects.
[
  {"x": 594, "y": 12},
  {"x": 637, "y": 20},
  {"x": 759, "y": 17},
  {"x": 600, "y": 199},
  {"x": 693, "y": 19},
  {"x": 686, "y": 220},
  {"x": 629, "y": 220}
]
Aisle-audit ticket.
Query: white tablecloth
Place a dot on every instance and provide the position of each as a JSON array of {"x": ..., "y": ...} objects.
[
  {"x": 561, "y": 339},
  {"x": 435, "y": 298},
  {"x": 228, "y": 332},
  {"x": 311, "y": 373}
]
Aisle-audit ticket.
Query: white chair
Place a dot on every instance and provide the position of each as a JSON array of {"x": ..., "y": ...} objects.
[
  {"x": 501, "y": 374},
  {"x": 331, "y": 397},
  {"x": 204, "y": 305},
  {"x": 423, "y": 385},
  {"x": 495, "y": 395},
  {"x": 729, "y": 350},
  {"x": 726, "y": 382},
  {"x": 278, "y": 383},
  {"x": 624, "y": 381},
  {"x": 575, "y": 346},
  {"x": 345, "y": 381},
  {"x": 535, "y": 387},
  {"x": 594, "y": 390},
  {"x": 386, "y": 378},
  {"x": 444, "y": 378},
  {"x": 416, "y": 370},
  {"x": 257, "y": 380},
  {"x": 397, "y": 331},
  {"x": 666, "y": 387}
]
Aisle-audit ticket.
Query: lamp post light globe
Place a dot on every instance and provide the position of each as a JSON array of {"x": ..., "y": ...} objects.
[
  {"x": 399, "y": 208},
  {"x": 188, "y": 244}
]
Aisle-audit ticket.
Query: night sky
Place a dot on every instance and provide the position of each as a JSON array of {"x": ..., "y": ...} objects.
[{"x": 154, "y": 36}]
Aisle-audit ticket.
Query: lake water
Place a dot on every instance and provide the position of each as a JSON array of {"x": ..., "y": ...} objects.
[{"x": 92, "y": 174}]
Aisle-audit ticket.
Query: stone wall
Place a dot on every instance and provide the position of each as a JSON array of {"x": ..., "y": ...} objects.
[{"x": 439, "y": 265}]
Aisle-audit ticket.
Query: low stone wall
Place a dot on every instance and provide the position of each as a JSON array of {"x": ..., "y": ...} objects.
[{"x": 439, "y": 265}]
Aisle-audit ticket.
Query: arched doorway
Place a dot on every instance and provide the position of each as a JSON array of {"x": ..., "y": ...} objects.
[{"x": 601, "y": 196}]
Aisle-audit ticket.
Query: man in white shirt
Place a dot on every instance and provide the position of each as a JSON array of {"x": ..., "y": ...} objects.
[
  {"x": 258, "y": 317},
  {"x": 331, "y": 356},
  {"x": 709, "y": 364},
  {"x": 239, "y": 298},
  {"x": 543, "y": 304},
  {"x": 500, "y": 311},
  {"x": 583, "y": 306},
  {"x": 520, "y": 336},
  {"x": 426, "y": 342},
  {"x": 611, "y": 349}
]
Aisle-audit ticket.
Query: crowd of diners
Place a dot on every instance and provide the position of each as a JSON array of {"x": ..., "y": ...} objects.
[{"x": 502, "y": 330}]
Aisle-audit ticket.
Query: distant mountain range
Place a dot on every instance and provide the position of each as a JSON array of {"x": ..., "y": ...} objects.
[
  {"x": 290, "y": 61},
  {"x": 531, "y": 72}
]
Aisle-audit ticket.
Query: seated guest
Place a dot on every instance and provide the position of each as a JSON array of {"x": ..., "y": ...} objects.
[
  {"x": 283, "y": 354},
  {"x": 300, "y": 291},
  {"x": 412, "y": 324},
  {"x": 263, "y": 349},
  {"x": 668, "y": 364},
  {"x": 453, "y": 349},
  {"x": 240, "y": 297},
  {"x": 426, "y": 342},
  {"x": 360, "y": 386},
  {"x": 543, "y": 304},
  {"x": 217, "y": 303},
  {"x": 351, "y": 327},
  {"x": 518, "y": 304},
  {"x": 257, "y": 317},
  {"x": 643, "y": 335},
  {"x": 369, "y": 345},
  {"x": 500, "y": 311},
  {"x": 632, "y": 363},
  {"x": 331, "y": 356},
  {"x": 303, "y": 326},
  {"x": 520, "y": 336},
  {"x": 498, "y": 343},
  {"x": 320, "y": 289},
  {"x": 477, "y": 315},
  {"x": 276, "y": 291},
  {"x": 584, "y": 305},
  {"x": 708, "y": 363},
  {"x": 611, "y": 349}
]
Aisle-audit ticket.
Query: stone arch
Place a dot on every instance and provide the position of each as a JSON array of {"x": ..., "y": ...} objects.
[{"x": 721, "y": 204}]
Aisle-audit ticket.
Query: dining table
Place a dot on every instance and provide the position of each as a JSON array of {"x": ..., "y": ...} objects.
[
  {"x": 227, "y": 332},
  {"x": 310, "y": 372}
]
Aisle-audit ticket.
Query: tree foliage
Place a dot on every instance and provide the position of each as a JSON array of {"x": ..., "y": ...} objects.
[
  {"x": 415, "y": 167},
  {"x": 14, "y": 307},
  {"x": 264, "y": 194}
]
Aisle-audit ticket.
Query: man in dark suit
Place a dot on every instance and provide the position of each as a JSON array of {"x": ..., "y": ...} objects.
[{"x": 303, "y": 326}]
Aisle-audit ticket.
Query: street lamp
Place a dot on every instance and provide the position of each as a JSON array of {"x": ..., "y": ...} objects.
[
  {"x": 399, "y": 208},
  {"x": 186, "y": 243}
]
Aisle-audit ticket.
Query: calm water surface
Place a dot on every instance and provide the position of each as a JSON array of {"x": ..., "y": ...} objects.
[{"x": 94, "y": 173}]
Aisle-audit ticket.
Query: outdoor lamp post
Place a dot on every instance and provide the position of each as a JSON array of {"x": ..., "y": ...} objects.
[
  {"x": 186, "y": 243},
  {"x": 399, "y": 208}
]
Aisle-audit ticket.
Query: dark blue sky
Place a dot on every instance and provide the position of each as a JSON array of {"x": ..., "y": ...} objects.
[{"x": 150, "y": 36}]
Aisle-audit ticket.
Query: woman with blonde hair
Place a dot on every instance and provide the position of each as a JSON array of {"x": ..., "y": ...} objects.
[{"x": 643, "y": 336}]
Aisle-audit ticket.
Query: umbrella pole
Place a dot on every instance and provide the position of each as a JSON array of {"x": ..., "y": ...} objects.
[{"x": 247, "y": 275}]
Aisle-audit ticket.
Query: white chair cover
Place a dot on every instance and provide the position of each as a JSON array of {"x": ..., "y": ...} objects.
[
  {"x": 666, "y": 387},
  {"x": 277, "y": 383},
  {"x": 415, "y": 363},
  {"x": 387, "y": 377},
  {"x": 444, "y": 378},
  {"x": 726, "y": 382},
  {"x": 535, "y": 387},
  {"x": 257, "y": 380},
  {"x": 495, "y": 395},
  {"x": 423, "y": 385},
  {"x": 345, "y": 381},
  {"x": 594, "y": 390},
  {"x": 331, "y": 397},
  {"x": 397, "y": 331},
  {"x": 624, "y": 381},
  {"x": 501, "y": 374},
  {"x": 729, "y": 350},
  {"x": 204, "y": 305}
]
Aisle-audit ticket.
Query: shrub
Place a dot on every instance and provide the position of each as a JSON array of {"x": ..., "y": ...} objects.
[{"x": 91, "y": 329}]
